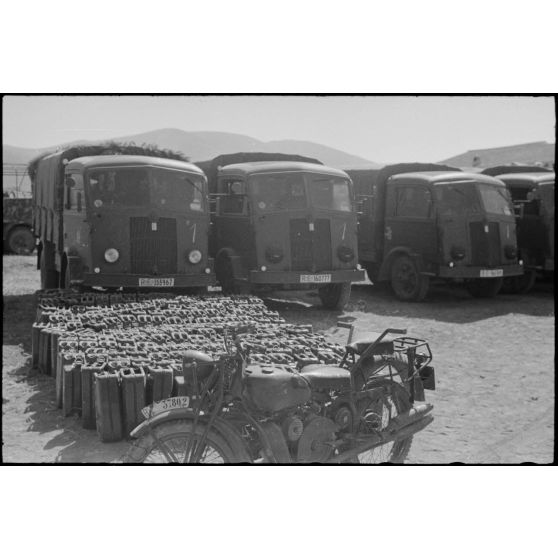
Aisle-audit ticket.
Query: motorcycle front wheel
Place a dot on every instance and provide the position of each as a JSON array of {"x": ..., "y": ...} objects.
[
  {"x": 169, "y": 443},
  {"x": 377, "y": 413}
]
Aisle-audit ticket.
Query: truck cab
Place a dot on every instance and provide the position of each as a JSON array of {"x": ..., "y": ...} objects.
[
  {"x": 532, "y": 193},
  {"x": 128, "y": 221},
  {"x": 424, "y": 222},
  {"x": 286, "y": 224}
]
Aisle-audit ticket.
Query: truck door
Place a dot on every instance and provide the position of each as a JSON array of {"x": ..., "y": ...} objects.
[
  {"x": 410, "y": 221},
  {"x": 232, "y": 222}
]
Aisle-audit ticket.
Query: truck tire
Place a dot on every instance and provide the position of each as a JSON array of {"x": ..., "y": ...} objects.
[
  {"x": 406, "y": 281},
  {"x": 225, "y": 276},
  {"x": 485, "y": 288},
  {"x": 49, "y": 276},
  {"x": 335, "y": 296},
  {"x": 520, "y": 284},
  {"x": 21, "y": 241}
]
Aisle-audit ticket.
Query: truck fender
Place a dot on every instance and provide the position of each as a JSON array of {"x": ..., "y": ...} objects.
[
  {"x": 227, "y": 432},
  {"x": 236, "y": 261},
  {"x": 384, "y": 273}
]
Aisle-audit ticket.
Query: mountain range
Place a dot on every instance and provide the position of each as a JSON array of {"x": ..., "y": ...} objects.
[
  {"x": 201, "y": 146},
  {"x": 535, "y": 152}
]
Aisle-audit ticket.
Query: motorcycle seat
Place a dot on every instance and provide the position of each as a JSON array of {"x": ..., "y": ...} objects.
[
  {"x": 322, "y": 377},
  {"x": 385, "y": 346}
]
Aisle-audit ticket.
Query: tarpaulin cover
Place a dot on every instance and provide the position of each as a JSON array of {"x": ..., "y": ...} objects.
[{"x": 513, "y": 169}]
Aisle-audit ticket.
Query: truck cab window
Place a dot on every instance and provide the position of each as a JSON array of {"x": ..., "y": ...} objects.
[
  {"x": 457, "y": 200},
  {"x": 234, "y": 199},
  {"x": 330, "y": 193},
  {"x": 283, "y": 192},
  {"x": 73, "y": 184},
  {"x": 412, "y": 201},
  {"x": 124, "y": 187}
]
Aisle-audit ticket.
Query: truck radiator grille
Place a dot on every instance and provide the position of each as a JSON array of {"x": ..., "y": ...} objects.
[
  {"x": 310, "y": 251},
  {"x": 153, "y": 252},
  {"x": 485, "y": 246}
]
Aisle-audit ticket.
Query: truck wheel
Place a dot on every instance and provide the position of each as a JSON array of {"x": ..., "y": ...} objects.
[
  {"x": 21, "y": 241},
  {"x": 520, "y": 284},
  {"x": 407, "y": 282},
  {"x": 49, "y": 277},
  {"x": 225, "y": 276},
  {"x": 485, "y": 288},
  {"x": 335, "y": 296}
]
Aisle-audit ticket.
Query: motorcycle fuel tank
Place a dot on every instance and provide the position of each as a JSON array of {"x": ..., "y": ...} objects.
[{"x": 274, "y": 388}]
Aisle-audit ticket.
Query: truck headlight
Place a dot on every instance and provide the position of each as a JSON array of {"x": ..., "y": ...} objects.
[
  {"x": 457, "y": 252},
  {"x": 274, "y": 254},
  {"x": 111, "y": 255},
  {"x": 195, "y": 256},
  {"x": 345, "y": 253},
  {"x": 510, "y": 252}
]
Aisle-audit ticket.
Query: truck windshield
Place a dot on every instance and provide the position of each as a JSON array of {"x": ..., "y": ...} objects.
[
  {"x": 330, "y": 193},
  {"x": 133, "y": 187},
  {"x": 457, "y": 199},
  {"x": 495, "y": 199},
  {"x": 279, "y": 192}
]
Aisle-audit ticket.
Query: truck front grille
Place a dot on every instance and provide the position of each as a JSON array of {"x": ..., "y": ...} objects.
[
  {"x": 153, "y": 248},
  {"x": 310, "y": 251},
  {"x": 485, "y": 246}
]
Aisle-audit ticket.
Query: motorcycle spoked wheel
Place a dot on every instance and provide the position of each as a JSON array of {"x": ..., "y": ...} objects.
[
  {"x": 377, "y": 413},
  {"x": 176, "y": 435}
]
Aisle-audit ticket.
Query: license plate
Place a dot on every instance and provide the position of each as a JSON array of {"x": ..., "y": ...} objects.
[
  {"x": 181, "y": 402},
  {"x": 320, "y": 278},
  {"x": 491, "y": 272},
  {"x": 156, "y": 282}
]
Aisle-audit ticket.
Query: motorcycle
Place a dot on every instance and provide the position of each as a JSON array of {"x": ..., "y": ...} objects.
[{"x": 365, "y": 410}]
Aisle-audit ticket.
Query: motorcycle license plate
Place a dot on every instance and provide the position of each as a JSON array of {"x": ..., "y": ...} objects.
[
  {"x": 491, "y": 272},
  {"x": 156, "y": 282},
  {"x": 181, "y": 402},
  {"x": 319, "y": 278}
]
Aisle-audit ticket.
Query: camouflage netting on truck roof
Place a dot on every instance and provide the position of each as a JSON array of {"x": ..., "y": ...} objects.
[
  {"x": 108, "y": 148},
  {"x": 210, "y": 168}
]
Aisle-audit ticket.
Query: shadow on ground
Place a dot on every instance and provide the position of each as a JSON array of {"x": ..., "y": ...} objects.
[
  {"x": 65, "y": 435},
  {"x": 445, "y": 303}
]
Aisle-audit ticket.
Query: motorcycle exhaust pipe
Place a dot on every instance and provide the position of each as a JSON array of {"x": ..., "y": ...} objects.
[{"x": 398, "y": 428}]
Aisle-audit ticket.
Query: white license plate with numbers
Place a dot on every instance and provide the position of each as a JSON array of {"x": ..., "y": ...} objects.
[
  {"x": 491, "y": 272},
  {"x": 181, "y": 402},
  {"x": 319, "y": 278},
  {"x": 156, "y": 282}
]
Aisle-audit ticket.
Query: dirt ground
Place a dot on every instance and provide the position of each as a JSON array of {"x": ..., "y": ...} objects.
[{"x": 494, "y": 361}]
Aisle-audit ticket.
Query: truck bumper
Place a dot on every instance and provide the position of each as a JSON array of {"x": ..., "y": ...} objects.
[
  {"x": 306, "y": 279},
  {"x": 133, "y": 281},
  {"x": 476, "y": 272}
]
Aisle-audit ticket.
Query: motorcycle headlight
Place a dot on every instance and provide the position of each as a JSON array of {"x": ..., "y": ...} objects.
[
  {"x": 111, "y": 255},
  {"x": 345, "y": 253},
  {"x": 274, "y": 254},
  {"x": 457, "y": 252},
  {"x": 195, "y": 256}
]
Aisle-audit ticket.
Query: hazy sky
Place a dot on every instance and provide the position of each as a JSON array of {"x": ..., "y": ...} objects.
[{"x": 381, "y": 129}]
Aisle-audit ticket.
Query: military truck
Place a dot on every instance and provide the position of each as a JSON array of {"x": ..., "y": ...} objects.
[
  {"x": 420, "y": 222},
  {"x": 18, "y": 236},
  {"x": 282, "y": 222},
  {"x": 532, "y": 192},
  {"x": 107, "y": 218}
]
